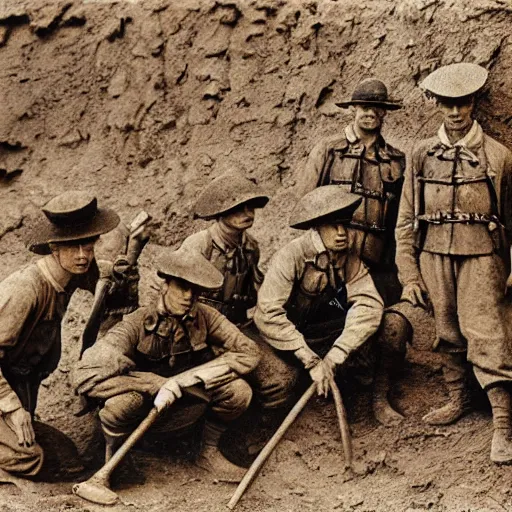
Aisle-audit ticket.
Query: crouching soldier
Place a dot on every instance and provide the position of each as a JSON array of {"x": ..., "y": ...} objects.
[
  {"x": 137, "y": 359},
  {"x": 231, "y": 200},
  {"x": 33, "y": 301},
  {"x": 317, "y": 305}
]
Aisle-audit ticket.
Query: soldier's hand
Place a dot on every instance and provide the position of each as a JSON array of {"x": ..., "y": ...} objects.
[
  {"x": 167, "y": 395},
  {"x": 321, "y": 374},
  {"x": 20, "y": 422},
  {"x": 415, "y": 294}
]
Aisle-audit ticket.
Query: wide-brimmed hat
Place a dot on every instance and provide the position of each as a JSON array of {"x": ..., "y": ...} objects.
[
  {"x": 72, "y": 215},
  {"x": 371, "y": 92},
  {"x": 191, "y": 266},
  {"x": 324, "y": 205},
  {"x": 455, "y": 80},
  {"x": 227, "y": 192}
]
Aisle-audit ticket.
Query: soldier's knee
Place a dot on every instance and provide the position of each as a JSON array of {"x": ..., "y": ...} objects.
[
  {"x": 240, "y": 396},
  {"x": 122, "y": 410},
  {"x": 277, "y": 391},
  {"x": 27, "y": 461},
  {"x": 395, "y": 332},
  {"x": 234, "y": 400}
]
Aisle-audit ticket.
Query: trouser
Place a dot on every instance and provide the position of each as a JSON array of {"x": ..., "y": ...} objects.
[
  {"x": 387, "y": 284},
  {"x": 121, "y": 414},
  {"x": 276, "y": 378},
  {"x": 16, "y": 459},
  {"x": 467, "y": 294}
]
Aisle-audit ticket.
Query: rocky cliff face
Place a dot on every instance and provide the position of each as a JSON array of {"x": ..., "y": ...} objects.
[{"x": 145, "y": 102}]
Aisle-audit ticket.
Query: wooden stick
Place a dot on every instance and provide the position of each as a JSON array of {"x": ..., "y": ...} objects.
[
  {"x": 270, "y": 446},
  {"x": 343, "y": 423}
]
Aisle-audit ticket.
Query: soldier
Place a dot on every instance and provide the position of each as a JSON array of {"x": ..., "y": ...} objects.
[
  {"x": 453, "y": 234},
  {"x": 317, "y": 304},
  {"x": 33, "y": 301},
  {"x": 362, "y": 162},
  {"x": 136, "y": 364},
  {"x": 231, "y": 200}
]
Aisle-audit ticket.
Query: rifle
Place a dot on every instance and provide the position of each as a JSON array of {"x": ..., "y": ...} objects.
[{"x": 105, "y": 286}]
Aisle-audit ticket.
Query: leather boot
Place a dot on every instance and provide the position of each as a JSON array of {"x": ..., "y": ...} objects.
[
  {"x": 211, "y": 459},
  {"x": 501, "y": 447},
  {"x": 454, "y": 373},
  {"x": 393, "y": 336},
  {"x": 382, "y": 409}
]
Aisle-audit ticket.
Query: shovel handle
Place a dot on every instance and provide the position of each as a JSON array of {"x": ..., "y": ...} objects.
[{"x": 270, "y": 446}]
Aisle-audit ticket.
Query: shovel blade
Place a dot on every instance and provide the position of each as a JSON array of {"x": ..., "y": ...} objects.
[{"x": 95, "y": 492}]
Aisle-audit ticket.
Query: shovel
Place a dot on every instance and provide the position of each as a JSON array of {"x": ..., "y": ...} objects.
[{"x": 97, "y": 489}]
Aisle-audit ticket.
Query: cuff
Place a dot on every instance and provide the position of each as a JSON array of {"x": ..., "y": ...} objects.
[
  {"x": 337, "y": 355},
  {"x": 10, "y": 403},
  {"x": 307, "y": 357}
]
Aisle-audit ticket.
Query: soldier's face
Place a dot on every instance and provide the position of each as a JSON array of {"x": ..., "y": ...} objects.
[
  {"x": 368, "y": 118},
  {"x": 457, "y": 112},
  {"x": 240, "y": 218},
  {"x": 334, "y": 237},
  {"x": 75, "y": 257},
  {"x": 179, "y": 296}
]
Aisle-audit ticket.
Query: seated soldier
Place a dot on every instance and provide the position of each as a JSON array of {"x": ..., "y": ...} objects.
[
  {"x": 317, "y": 304},
  {"x": 137, "y": 359},
  {"x": 33, "y": 301},
  {"x": 231, "y": 200}
]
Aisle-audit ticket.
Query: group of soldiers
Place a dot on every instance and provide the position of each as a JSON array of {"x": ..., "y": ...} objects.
[{"x": 380, "y": 240}]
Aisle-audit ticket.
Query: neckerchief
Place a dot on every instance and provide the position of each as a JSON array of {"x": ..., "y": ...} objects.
[{"x": 460, "y": 150}]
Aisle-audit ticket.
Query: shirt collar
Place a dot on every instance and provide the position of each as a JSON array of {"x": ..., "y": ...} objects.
[
  {"x": 162, "y": 311},
  {"x": 318, "y": 244},
  {"x": 49, "y": 276},
  {"x": 222, "y": 241},
  {"x": 470, "y": 140}
]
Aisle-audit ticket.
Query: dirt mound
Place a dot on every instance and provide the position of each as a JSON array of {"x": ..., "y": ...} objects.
[{"x": 145, "y": 102}]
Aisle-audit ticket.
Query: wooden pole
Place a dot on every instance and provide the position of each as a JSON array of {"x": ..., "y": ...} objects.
[
  {"x": 346, "y": 439},
  {"x": 270, "y": 446}
]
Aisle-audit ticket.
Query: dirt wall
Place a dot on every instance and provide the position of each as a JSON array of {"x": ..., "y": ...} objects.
[{"x": 145, "y": 102}]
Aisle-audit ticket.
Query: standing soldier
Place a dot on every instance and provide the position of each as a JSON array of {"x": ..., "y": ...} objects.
[
  {"x": 362, "y": 162},
  {"x": 33, "y": 301},
  {"x": 453, "y": 235},
  {"x": 231, "y": 200},
  {"x": 317, "y": 305},
  {"x": 138, "y": 363}
]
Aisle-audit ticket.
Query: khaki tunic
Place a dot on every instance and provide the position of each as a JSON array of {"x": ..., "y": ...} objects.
[
  {"x": 285, "y": 270},
  {"x": 32, "y": 305},
  {"x": 134, "y": 360},
  {"x": 376, "y": 174},
  {"x": 461, "y": 263}
]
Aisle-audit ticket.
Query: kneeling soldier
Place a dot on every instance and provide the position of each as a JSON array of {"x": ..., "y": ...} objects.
[
  {"x": 137, "y": 359},
  {"x": 317, "y": 299},
  {"x": 33, "y": 301}
]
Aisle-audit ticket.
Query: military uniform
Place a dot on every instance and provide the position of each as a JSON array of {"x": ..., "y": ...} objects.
[
  {"x": 128, "y": 366},
  {"x": 238, "y": 262},
  {"x": 376, "y": 174},
  {"x": 310, "y": 304},
  {"x": 33, "y": 301},
  {"x": 461, "y": 213},
  {"x": 453, "y": 240}
]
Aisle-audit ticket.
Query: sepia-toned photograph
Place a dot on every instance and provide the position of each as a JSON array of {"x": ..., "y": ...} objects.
[{"x": 255, "y": 255}]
